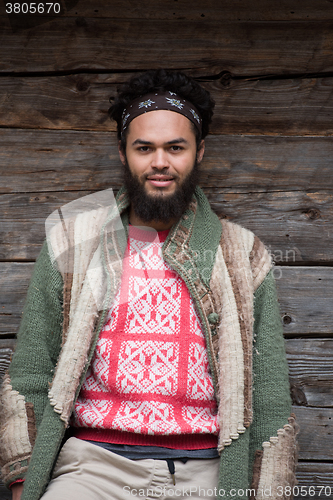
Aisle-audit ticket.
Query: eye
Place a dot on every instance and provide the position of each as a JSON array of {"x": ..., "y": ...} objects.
[
  {"x": 174, "y": 147},
  {"x": 144, "y": 149}
]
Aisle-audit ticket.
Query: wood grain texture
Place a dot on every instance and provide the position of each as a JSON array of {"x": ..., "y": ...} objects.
[
  {"x": 80, "y": 102},
  {"x": 305, "y": 296},
  {"x": 315, "y": 475},
  {"x": 263, "y": 10},
  {"x": 208, "y": 47},
  {"x": 315, "y": 437},
  {"x": 311, "y": 371},
  {"x": 296, "y": 226},
  {"x": 260, "y": 10},
  {"x": 14, "y": 282},
  {"x": 42, "y": 160}
]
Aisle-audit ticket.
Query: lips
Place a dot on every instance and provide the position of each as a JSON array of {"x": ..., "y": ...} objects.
[{"x": 160, "y": 180}]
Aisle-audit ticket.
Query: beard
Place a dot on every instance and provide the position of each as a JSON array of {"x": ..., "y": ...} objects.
[{"x": 162, "y": 207}]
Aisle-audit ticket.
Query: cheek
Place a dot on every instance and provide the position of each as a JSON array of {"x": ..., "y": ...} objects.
[
  {"x": 186, "y": 164},
  {"x": 136, "y": 164}
]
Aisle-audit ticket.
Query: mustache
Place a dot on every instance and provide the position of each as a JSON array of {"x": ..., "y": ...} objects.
[{"x": 158, "y": 172}]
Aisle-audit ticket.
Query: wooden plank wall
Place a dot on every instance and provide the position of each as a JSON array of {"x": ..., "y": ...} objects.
[{"x": 269, "y": 66}]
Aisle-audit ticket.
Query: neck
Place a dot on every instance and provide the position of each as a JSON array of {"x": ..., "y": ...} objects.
[{"x": 155, "y": 224}]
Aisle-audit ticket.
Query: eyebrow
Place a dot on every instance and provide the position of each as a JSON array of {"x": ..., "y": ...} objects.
[{"x": 148, "y": 143}]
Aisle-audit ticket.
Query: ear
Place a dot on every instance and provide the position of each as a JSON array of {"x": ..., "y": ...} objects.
[
  {"x": 121, "y": 153},
  {"x": 200, "y": 151}
]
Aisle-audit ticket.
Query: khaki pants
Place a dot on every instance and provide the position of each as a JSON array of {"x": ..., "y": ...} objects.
[{"x": 85, "y": 471}]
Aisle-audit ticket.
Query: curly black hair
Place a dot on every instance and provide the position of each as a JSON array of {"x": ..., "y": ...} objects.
[{"x": 164, "y": 80}]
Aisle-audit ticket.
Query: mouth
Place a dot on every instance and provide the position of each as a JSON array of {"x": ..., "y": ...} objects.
[{"x": 160, "y": 180}]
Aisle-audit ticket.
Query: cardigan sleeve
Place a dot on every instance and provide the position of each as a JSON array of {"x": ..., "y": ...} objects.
[
  {"x": 25, "y": 387},
  {"x": 273, "y": 431}
]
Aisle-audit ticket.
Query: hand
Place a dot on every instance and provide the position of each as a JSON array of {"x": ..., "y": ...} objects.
[{"x": 16, "y": 490}]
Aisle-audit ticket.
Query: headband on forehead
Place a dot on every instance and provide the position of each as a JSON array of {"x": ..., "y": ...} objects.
[{"x": 160, "y": 100}]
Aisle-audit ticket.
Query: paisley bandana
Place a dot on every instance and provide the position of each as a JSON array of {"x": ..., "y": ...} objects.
[{"x": 160, "y": 100}]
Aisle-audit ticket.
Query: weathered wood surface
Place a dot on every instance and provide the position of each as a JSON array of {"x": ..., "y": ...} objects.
[
  {"x": 80, "y": 102},
  {"x": 297, "y": 226},
  {"x": 305, "y": 295},
  {"x": 315, "y": 475},
  {"x": 316, "y": 429},
  {"x": 33, "y": 160},
  {"x": 14, "y": 281},
  {"x": 209, "y": 47},
  {"x": 261, "y": 10},
  {"x": 311, "y": 371}
]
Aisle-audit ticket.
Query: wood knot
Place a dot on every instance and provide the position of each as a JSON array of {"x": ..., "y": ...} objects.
[
  {"x": 297, "y": 395},
  {"x": 82, "y": 85},
  {"x": 225, "y": 78},
  {"x": 287, "y": 319},
  {"x": 312, "y": 213}
]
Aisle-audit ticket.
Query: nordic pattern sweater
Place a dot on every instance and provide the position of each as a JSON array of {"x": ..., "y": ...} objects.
[
  {"x": 149, "y": 382},
  {"x": 227, "y": 272}
]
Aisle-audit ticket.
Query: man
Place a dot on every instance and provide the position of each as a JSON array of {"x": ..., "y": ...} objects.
[{"x": 158, "y": 347}]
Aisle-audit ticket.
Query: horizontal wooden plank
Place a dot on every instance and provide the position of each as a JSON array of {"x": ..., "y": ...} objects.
[
  {"x": 34, "y": 160},
  {"x": 314, "y": 477},
  {"x": 81, "y": 102},
  {"x": 296, "y": 226},
  {"x": 208, "y": 46},
  {"x": 305, "y": 295},
  {"x": 260, "y": 10},
  {"x": 311, "y": 371},
  {"x": 315, "y": 436},
  {"x": 14, "y": 281},
  {"x": 270, "y": 107}
]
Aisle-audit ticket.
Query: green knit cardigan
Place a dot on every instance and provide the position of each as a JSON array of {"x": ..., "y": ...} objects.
[{"x": 228, "y": 273}]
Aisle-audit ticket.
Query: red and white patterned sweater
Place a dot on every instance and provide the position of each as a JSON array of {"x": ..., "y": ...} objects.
[{"x": 149, "y": 381}]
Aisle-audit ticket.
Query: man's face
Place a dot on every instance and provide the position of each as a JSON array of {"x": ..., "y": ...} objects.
[
  {"x": 161, "y": 155},
  {"x": 161, "y": 151}
]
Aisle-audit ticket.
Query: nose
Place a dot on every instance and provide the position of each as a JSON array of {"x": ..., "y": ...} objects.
[{"x": 160, "y": 159}]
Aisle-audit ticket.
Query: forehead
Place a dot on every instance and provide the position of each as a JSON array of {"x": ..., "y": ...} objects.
[{"x": 160, "y": 125}]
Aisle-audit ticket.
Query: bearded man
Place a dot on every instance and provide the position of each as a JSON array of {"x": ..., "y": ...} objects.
[{"x": 151, "y": 365}]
